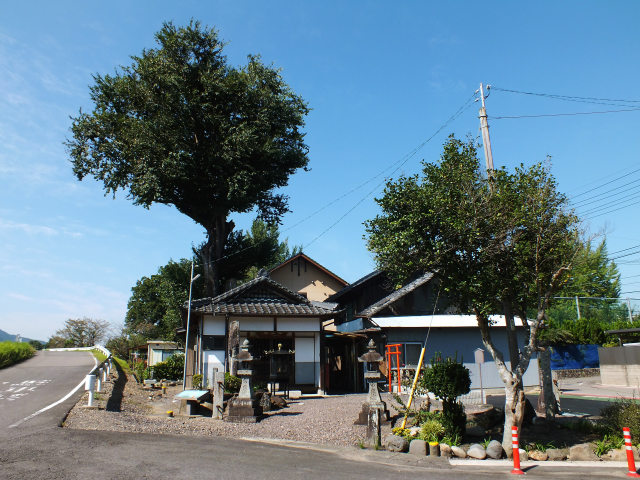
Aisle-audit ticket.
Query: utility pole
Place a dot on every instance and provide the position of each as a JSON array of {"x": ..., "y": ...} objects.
[{"x": 484, "y": 127}]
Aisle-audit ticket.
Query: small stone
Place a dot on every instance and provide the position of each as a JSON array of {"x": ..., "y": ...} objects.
[
  {"x": 524, "y": 456},
  {"x": 418, "y": 447},
  {"x": 538, "y": 456},
  {"x": 445, "y": 450},
  {"x": 414, "y": 431},
  {"x": 477, "y": 451},
  {"x": 617, "y": 455},
  {"x": 394, "y": 443},
  {"x": 265, "y": 402},
  {"x": 494, "y": 449},
  {"x": 557, "y": 454},
  {"x": 278, "y": 402},
  {"x": 458, "y": 452},
  {"x": 582, "y": 451}
]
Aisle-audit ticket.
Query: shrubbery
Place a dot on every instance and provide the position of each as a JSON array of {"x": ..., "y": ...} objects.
[
  {"x": 171, "y": 369},
  {"x": 622, "y": 413},
  {"x": 14, "y": 352},
  {"x": 447, "y": 379},
  {"x": 231, "y": 383}
]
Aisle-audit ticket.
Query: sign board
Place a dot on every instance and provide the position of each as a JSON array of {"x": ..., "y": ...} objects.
[{"x": 478, "y": 355}]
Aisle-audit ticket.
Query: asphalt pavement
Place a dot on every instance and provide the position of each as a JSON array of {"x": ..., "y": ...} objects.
[{"x": 36, "y": 393}]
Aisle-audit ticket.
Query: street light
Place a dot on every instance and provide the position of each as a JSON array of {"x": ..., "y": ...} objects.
[{"x": 186, "y": 340}]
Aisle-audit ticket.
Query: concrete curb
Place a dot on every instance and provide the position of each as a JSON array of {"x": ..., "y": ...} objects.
[{"x": 530, "y": 463}]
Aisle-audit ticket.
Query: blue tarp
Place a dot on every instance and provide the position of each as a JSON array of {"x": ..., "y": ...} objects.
[{"x": 572, "y": 357}]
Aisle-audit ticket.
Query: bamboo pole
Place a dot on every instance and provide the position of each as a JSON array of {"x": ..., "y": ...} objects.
[{"x": 413, "y": 387}]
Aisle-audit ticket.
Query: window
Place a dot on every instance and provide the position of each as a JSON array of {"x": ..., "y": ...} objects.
[
  {"x": 213, "y": 342},
  {"x": 412, "y": 354}
]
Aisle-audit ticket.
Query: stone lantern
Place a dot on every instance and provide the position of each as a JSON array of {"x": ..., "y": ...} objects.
[
  {"x": 374, "y": 410},
  {"x": 244, "y": 408}
]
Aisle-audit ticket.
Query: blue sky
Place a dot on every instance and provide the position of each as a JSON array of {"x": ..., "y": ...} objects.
[{"x": 380, "y": 78}]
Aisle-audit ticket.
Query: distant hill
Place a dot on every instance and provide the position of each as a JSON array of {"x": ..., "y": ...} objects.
[{"x": 8, "y": 336}]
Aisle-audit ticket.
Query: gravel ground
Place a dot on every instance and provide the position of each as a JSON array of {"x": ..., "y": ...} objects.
[{"x": 323, "y": 420}]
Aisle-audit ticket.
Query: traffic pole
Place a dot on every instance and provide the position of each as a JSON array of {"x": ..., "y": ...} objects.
[
  {"x": 516, "y": 452},
  {"x": 630, "y": 460}
]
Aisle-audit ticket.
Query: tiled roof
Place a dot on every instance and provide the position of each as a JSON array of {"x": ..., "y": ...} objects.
[
  {"x": 261, "y": 296},
  {"x": 258, "y": 309},
  {"x": 355, "y": 284},
  {"x": 313, "y": 262},
  {"x": 394, "y": 296}
]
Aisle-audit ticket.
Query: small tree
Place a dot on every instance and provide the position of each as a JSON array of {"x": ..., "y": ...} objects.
[
  {"x": 80, "y": 332},
  {"x": 447, "y": 379}
]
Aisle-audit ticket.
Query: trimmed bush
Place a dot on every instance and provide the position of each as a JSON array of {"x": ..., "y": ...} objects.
[
  {"x": 231, "y": 383},
  {"x": 14, "y": 352},
  {"x": 171, "y": 369},
  {"x": 622, "y": 413}
]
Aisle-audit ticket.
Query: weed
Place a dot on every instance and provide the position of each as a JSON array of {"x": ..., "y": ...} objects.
[
  {"x": 608, "y": 442},
  {"x": 361, "y": 444},
  {"x": 452, "y": 441},
  {"x": 485, "y": 443}
]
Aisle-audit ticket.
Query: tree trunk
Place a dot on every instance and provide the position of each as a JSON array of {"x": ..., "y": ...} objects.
[
  {"x": 512, "y": 337},
  {"x": 513, "y": 412},
  {"x": 213, "y": 251},
  {"x": 546, "y": 400}
]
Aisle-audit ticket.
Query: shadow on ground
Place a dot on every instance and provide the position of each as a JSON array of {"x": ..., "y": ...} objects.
[{"x": 114, "y": 404}]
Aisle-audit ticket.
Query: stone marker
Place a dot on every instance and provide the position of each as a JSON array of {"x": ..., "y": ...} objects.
[
  {"x": 244, "y": 408},
  {"x": 394, "y": 443},
  {"x": 218, "y": 395},
  {"x": 374, "y": 409},
  {"x": 582, "y": 451},
  {"x": 458, "y": 451},
  {"x": 265, "y": 402},
  {"x": 445, "y": 450},
  {"x": 557, "y": 454},
  {"x": 477, "y": 451},
  {"x": 538, "y": 456},
  {"x": 494, "y": 449},
  {"x": 418, "y": 447}
]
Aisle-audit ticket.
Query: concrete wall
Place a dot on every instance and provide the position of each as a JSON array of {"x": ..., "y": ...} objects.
[
  {"x": 620, "y": 365},
  {"x": 463, "y": 342}
]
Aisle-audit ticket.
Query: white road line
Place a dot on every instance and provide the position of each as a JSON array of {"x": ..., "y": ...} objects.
[{"x": 20, "y": 422}]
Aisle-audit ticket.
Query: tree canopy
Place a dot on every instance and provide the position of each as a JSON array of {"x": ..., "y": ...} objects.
[
  {"x": 79, "y": 332},
  {"x": 182, "y": 127},
  {"x": 498, "y": 243},
  {"x": 156, "y": 304}
]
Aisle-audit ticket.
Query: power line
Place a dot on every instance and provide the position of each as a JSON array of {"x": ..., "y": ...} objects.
[
  {"x": 459, "y": 112},
  {"x": 609, "y": 193},
  {"x": 604, "y": 206},
  {"x": 624, "y": 250},
  {"x": 503, "y": 117},
  {"x": 625, "y": 255},
  {"x": 607, "y": 183},
  {"x": 569, "y": 98},
  {"x": 611, "y": 211}
]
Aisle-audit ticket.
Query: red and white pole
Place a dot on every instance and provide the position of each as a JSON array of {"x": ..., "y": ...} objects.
[
  {"x": 516, "y": 452},
  {"x": 630, "y": 460}
]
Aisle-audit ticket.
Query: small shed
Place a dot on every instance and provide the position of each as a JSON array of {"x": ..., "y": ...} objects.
[{"x": 159, "y": 350}]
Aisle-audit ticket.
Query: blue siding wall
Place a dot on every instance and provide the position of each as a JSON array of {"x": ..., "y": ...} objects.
[{"x": 463, "y": 342}]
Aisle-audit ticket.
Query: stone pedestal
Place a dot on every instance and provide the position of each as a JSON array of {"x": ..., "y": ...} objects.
[
  {"x": 244, "y": 408},
  {"x": 374, "y": 410},
  {"x": 218, "y": 395}
]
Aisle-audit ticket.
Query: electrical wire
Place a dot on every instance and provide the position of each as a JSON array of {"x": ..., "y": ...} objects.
[
  {"x": 624, "y": 250},
  {"x": 610, "y": 193},
  {"x": 569, "y": 98},
  {"x": 505, "y": 117},
  {"x": 606, "y": 183}
]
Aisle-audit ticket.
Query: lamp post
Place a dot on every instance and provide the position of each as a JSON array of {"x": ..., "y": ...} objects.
[{"x": 186, "y": 340}]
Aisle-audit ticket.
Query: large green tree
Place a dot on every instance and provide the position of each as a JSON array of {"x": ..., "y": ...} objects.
[
  {"x": 498, "y": 243},
  {"x": 156, "y": 304},
  {"x": 182, "y": 127}
]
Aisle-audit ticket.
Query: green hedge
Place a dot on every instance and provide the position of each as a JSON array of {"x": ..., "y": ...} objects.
[{"x": 13, "y": 352}]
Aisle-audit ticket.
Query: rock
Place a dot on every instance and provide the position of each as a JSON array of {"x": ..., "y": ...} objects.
[
  {"x": 394, "y": 443},
  {"x": 556, "y": 454},
  {"x": 265, "y": 402},
  {"x": 458, "y": 452},
  {"x": 617, "y": 455},
  {"x": 582, "y": 451},
  {"x": 494, "y": 449},
  {"x": 445, "y": 450},
  {"x": 524, "y": 456},
  {"x": 278, "y": 402},
  {"x": 477, "y": 451},
  {"x": 484, "y": 416},
  {"x": 538, "y": 456},
  {"x": 418, "y": 447},
  {"x": 414, "y": 431}
]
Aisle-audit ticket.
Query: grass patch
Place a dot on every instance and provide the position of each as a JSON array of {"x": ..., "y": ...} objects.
[
  {"x": 123, "y": 364},
  {"x": 101, "y": 357},
  {"x": 14, "y": 352}
]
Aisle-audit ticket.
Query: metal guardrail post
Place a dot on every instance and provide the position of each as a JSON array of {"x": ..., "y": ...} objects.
[{"x": 89, "y": 384}]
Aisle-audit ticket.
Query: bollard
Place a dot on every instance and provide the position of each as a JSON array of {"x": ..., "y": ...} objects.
[
  {"x": 109, "y": 367},
  {"x": 103, "y": 372},
  {"x": 516, "y": 452},
  {"x": 99, "y": 378},
  {"x": 89, "y": 384},
  {"x": 630, "y": 460}
]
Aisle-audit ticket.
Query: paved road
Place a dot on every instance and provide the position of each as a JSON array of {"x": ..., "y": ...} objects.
[{"x": 30, "y": 386}]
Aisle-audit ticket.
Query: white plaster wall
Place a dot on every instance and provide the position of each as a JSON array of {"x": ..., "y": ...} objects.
[
  {"x": 214, "y": 325},
  {"x": 298, "y": 325},
  {"x": 256, "y": 324}
]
